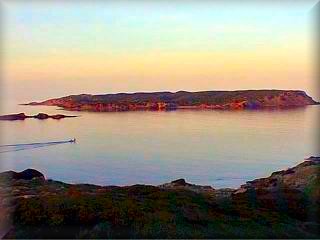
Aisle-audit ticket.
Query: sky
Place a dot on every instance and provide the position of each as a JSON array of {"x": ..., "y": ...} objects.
[{"x": 57, "y": 48}]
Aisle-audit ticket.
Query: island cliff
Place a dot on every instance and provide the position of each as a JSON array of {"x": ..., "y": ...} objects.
[
  {"x": 223, "y": 100},
  {"x": 283, "y": 205}
]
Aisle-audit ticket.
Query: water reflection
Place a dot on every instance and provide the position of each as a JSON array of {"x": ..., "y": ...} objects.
[{"x": 219, "y": 148}]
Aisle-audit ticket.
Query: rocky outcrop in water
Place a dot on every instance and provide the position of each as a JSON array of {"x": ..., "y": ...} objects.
[
  {"x": 40, "y": 116},
  {"x": 157, "y": 101},
  {"x": 12, "y": 117}
]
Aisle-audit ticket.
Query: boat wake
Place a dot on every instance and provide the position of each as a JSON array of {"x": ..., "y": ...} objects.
[{"x": 28, "y": 146}]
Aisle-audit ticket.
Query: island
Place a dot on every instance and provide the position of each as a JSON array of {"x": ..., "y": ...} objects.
[
  {"x": 283, "y": 205},
  {"x": 155, "y": 101},
  {"x": 40, "y": 116}
]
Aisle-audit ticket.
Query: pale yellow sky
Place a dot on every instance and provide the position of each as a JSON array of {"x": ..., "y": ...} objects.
[{"x": 52, "y": 49}]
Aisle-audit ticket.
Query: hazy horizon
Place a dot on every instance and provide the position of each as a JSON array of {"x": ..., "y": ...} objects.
[{"x": 56, "y": 49}]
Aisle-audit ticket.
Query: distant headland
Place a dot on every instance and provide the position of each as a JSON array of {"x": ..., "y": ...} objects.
[{"x": 156, "y": 101}]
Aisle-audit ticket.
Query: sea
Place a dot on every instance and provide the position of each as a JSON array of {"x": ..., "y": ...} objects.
[{"x": 223, "y": 149}]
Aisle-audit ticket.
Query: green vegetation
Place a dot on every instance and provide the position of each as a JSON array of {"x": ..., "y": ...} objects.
[
  {"x": 284, "y": 205},
  {"x": 150, "y": 212}
]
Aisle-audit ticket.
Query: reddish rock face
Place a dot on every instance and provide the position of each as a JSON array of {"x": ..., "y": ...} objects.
[{"x": 163, "y": 101}]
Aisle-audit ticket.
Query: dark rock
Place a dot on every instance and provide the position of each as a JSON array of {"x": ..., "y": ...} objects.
[
  {"x": 41, "y": 116},
  {"x": 27, "y": 174},
  {"x": 312, "y": 158},
  {"x": 8, "y": 175},
  {"x": 30, "y": 174},
  {"x": 300, "y": 177},
  {"x": 181, "y": 182},
  {"x": 60, "y": 116},
  {"x": 13, "y": 117}
]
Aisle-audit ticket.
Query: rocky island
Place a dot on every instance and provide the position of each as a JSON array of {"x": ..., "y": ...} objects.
[
  {"x": 220, "y": 100},
  {"x": 283, "y": 205},
  {"x": 40, "y": 116}
]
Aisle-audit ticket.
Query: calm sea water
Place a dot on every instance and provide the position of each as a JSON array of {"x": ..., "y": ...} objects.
[{"x": 218, "y": 148}]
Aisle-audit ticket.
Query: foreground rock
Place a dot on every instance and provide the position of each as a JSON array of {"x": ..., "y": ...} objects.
[
  {"x": 157, "y": 101},
  {"x": 40, "y": 116},
  {"x": 27, "y": 174},
  {"x": 297, "y": 178},
  {"x": 181, "y": 184},
  {"x": 284, "y": 205}
]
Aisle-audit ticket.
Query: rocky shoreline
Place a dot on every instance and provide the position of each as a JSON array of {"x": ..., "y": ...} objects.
[
  {"x": 40, "y": 116},
  {"x": 168, "y": 101},
  {"x": 283, "y": 205}
]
